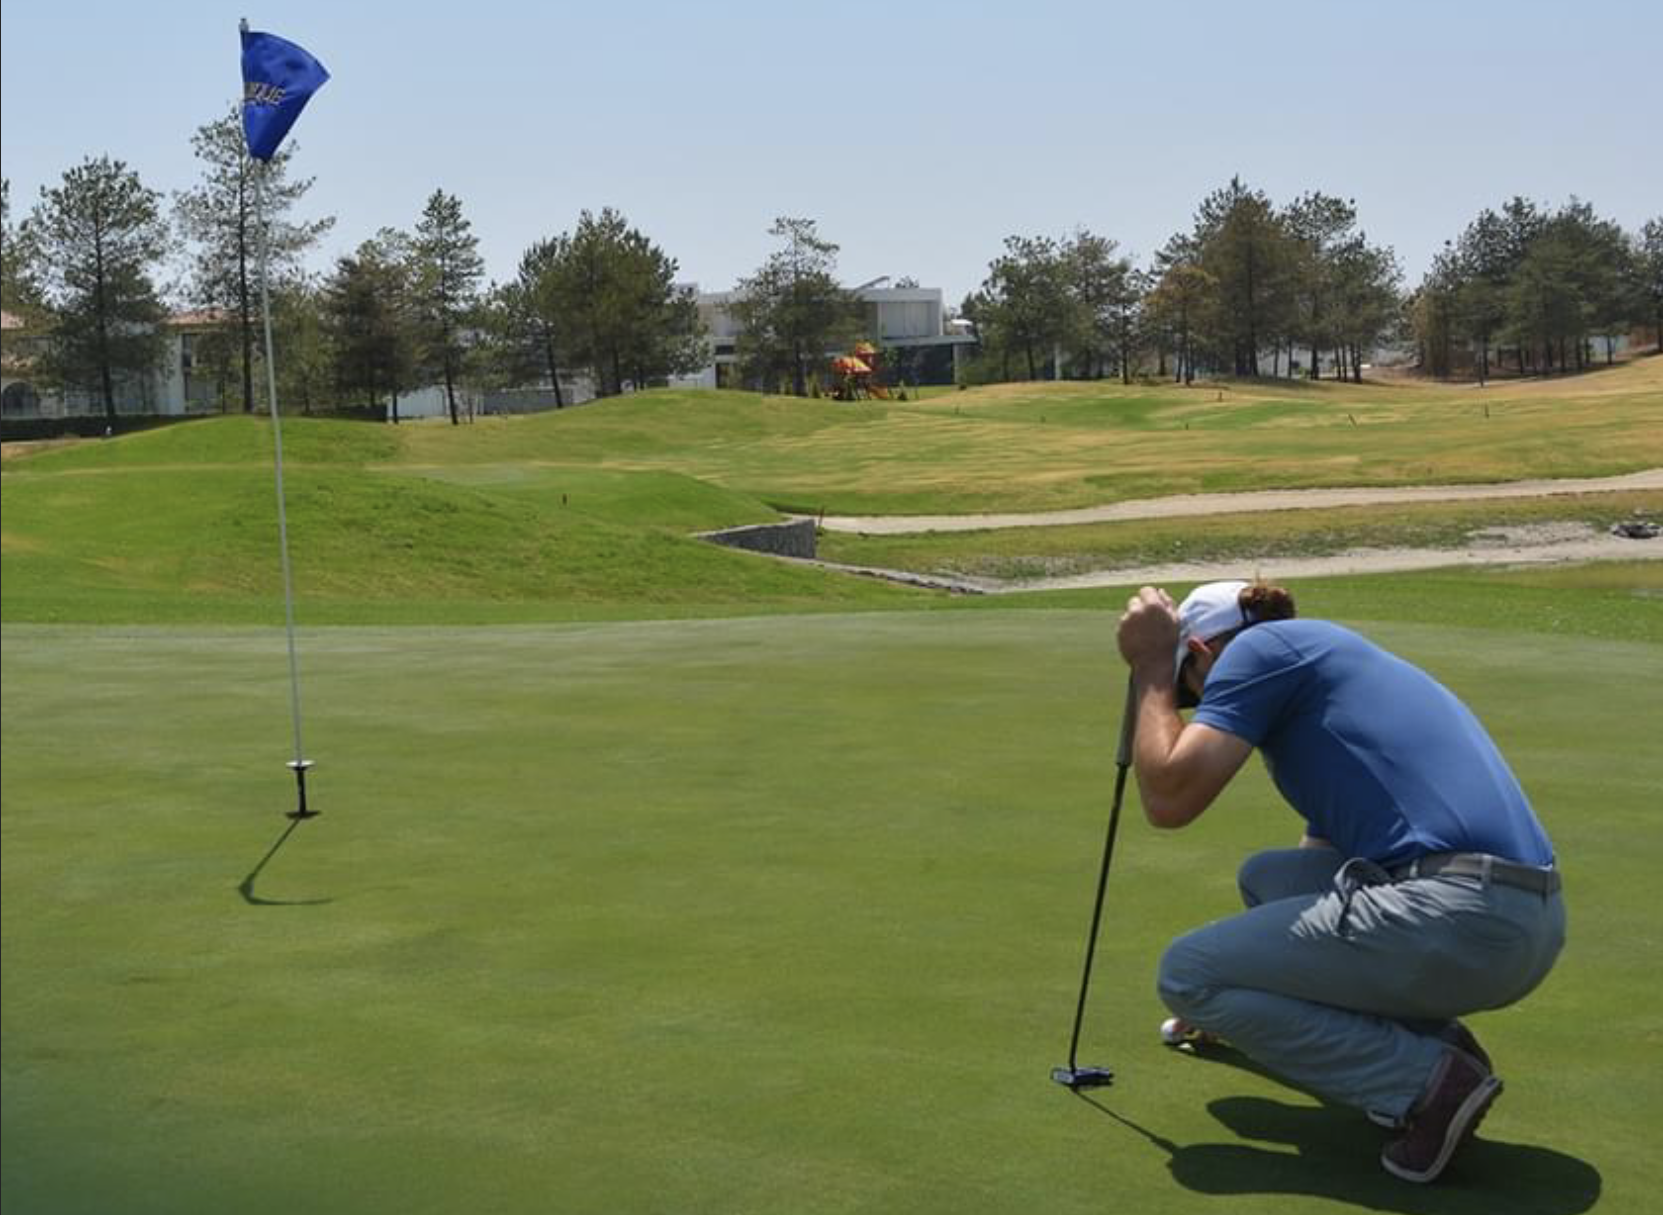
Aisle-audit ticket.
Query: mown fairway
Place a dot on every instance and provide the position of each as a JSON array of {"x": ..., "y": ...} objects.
[
  {"x": 1036, "y": 447},
  {"x": 657, "y": 877}
]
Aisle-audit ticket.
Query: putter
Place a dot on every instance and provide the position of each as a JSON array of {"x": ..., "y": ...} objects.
[{"x": 1074, "y": 1077}]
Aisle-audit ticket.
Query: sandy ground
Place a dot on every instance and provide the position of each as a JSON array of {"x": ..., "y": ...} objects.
[
  {"x": 1542, "y": 544},
  {"x": 1227, "y": 504},
  {"x": 1592, "y": 547}
]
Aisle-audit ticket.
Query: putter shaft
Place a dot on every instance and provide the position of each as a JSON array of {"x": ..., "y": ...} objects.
[{"x": 1123, "y": 763}]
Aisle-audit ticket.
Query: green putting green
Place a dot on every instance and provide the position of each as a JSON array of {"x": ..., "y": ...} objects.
[
  {"x": 770, "y": 914},
  {"x": 776, "y": 903}
]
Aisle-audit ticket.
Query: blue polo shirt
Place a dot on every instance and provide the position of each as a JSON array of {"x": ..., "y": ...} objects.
[{"x": 1376, "y": 755}]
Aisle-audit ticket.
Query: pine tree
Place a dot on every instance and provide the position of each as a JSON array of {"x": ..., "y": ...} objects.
[
  {"x": 368, "y": 322},
  {"x": 1246, "y": 247},
  {"x": 533, "y": 313},
  {"x": 793, "y": 310},
  {"x": 1648, "y": 263},
  {"x": 218, "y": 218},
  {"x": 97, "y": 237},
  {"x": 303, "y": 363},
  {"x": 1104, "y": 291},
  {"x": 19, "y": 293},
  {"x": 1024, "y": 305},
  {"x": 1323, "y": 230},
  {"x": 447, "y": 271}
]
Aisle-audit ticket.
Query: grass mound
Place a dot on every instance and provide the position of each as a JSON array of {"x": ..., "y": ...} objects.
[
  {"x": 157, "y": 544},
  {"x": 1045, "y": 446},
  {"x": 209, "y": 442},
  {"x": 586, "y": 511}
]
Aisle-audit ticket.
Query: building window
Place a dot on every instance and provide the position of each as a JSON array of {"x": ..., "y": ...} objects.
[{"x": 20, "y": 400}]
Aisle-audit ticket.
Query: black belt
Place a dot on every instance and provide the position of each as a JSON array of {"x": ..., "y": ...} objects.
[{"x": 1480, "y": 865}]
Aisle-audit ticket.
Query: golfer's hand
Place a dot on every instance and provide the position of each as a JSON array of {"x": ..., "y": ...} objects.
[{"x": 1148, "y": 632}]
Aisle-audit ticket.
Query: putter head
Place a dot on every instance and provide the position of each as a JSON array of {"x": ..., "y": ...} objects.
[{"x": 1077, "y": 1078}]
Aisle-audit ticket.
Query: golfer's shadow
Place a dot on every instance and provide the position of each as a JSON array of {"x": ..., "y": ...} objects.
[
  {"x": 1336, "y": 1154},
  {"x": 246, "y": 886}
]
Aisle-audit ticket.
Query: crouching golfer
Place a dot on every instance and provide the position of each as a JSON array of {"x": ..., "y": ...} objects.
[{"x": 1424, "y": 888}]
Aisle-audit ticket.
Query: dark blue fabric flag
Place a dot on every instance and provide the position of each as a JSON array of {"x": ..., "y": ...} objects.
[{"x": 278, "y": 80}]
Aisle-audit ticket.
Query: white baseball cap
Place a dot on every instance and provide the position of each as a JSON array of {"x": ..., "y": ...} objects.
[{"x": 1205, "y": 613}]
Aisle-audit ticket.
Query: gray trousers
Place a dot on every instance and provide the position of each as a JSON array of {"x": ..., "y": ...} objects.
[{"x": 1346, "y": 997}]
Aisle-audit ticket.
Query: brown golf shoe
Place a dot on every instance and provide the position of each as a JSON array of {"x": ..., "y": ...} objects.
[
  {"x": 1461, "y": 1038},
  {"x": 1456, "y": 1099}
]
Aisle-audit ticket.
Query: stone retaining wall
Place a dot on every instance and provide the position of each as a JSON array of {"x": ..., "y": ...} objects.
[{"x": 793, "y": 539}]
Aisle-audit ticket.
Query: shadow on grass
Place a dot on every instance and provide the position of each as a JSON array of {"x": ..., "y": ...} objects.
[
  {"x": 1335, "y": 1157},
  {"x": 246, "y": 886}
]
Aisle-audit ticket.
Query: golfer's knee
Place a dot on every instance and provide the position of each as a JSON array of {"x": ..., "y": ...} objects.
[
  {"x": 1251, "y": 878},
  {"x": 1281, "y": 873},
  {"x": 1264, "y": 876},
  {"x": 1183, "y": 980}
]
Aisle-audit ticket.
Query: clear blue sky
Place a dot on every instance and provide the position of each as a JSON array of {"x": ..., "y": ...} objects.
[{"x": 918, "y": 135}]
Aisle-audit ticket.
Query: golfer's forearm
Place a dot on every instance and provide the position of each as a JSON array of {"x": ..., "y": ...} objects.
[{"x": 1163, "y": 784}]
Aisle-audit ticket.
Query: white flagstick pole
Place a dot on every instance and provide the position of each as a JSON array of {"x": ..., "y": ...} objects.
[{"x": 300, "y": 763}]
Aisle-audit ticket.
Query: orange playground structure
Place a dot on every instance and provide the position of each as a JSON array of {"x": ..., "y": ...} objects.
[{"x": 858, "y": 374}]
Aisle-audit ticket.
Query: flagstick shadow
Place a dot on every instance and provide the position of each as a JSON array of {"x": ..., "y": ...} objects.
[{"x": 246, "y": 886}]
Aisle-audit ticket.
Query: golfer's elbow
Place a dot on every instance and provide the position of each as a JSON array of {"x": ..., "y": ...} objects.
[
  {"x": 1178, "y": 782},
  {"x": 1170, "y": 808}
]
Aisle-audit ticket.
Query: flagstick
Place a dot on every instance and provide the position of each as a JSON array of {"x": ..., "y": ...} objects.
[{"x": 299, "y": 764}]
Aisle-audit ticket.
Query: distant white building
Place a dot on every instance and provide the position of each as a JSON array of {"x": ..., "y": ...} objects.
[
  {"x": 173, "y": 388},
  {"x": 909, "y": 321},
  {"x": 577, "y": 388}
]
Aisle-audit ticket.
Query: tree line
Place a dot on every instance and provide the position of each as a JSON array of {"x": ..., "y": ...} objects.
[
  {"x": 406, "y": 309},
  {"x": 1248, "y": 288},
  {"x": 1535, "y": 287},
  {"x": 1247, "y": 282},
  {"x": 1301, "y": 286}
]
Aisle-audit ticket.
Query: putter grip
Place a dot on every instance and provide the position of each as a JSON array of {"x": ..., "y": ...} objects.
[{"x": 1128, "y": 725}]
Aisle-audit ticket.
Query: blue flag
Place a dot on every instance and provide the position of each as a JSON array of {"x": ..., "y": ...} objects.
[{"x": 279, "y": 78}]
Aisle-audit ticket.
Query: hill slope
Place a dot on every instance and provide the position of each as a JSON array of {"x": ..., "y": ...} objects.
[{"x": 587, "y": 512}]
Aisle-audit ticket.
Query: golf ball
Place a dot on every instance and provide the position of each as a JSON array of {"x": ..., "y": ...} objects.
[{"x": 1173, "y": 1031}]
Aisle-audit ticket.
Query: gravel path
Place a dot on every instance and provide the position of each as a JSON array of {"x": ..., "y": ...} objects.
[
  {"x": 1539, "y": 544},
  {"x": 1516, "y": 550}
]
